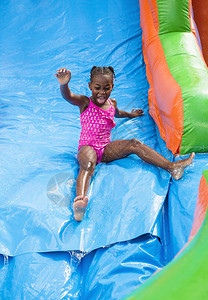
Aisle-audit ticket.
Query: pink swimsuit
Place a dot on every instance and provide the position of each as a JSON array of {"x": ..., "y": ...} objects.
[{"x": 96, "y": 125}]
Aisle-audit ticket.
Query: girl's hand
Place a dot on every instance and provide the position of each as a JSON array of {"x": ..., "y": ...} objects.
[
  {"x": 63, "y": 76},
  {"x": 136, "y": 113}
]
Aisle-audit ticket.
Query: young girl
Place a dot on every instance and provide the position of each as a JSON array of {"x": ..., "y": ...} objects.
[{"x": 97, "y": 119}]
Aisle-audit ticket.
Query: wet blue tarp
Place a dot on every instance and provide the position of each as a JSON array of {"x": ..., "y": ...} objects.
[
  {"x": 121, "y": 241},
  {"x": 40, "y": 130},
  {"x": 182, "y": 198},
  {"x": 105, "y": 273}
]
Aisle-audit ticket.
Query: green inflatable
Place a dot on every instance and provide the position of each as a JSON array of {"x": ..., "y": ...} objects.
[{"x": 186, "y": 276}]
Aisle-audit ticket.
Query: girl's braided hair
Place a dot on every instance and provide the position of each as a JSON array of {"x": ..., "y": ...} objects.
[{"x": 102, "y": 70}]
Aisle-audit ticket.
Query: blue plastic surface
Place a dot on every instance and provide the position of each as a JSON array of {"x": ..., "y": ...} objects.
[
  {"x": 106, "y": 273},
  {"x": 182, "y": 201},
  {"x": 39, "y": 135},
  {"x": 40, "y": 130}
]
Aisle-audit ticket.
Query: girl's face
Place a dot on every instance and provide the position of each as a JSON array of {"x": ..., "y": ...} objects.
[{"x": 101, "y": 87}]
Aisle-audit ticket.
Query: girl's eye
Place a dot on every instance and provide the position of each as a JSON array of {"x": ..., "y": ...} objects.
[
  {"x": 106, "y": 88},
  {"x": 97, "y": 88}
]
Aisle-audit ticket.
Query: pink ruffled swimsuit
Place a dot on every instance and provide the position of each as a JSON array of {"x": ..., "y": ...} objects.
[{"x": 96, "y": 125}]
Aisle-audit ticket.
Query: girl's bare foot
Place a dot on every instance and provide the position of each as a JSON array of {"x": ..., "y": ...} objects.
[
  {"x": 79, "y": 207},
  {"x": 178, "y": 167}
]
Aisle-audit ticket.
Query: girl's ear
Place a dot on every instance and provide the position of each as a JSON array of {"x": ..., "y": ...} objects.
[{"x": 90, "y": 86}]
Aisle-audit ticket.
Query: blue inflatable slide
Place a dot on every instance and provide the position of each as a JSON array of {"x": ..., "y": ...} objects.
[{"x": 138, "y": 217}]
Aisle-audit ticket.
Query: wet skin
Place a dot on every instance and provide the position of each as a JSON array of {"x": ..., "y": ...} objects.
[{"x": 101, "y": 87}]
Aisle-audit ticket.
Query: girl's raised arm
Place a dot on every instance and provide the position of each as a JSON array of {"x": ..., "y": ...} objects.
[{"x": 64, "y": 76}]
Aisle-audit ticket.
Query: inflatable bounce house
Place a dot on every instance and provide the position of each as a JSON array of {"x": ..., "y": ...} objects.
[{"x": 144, "y": 234}]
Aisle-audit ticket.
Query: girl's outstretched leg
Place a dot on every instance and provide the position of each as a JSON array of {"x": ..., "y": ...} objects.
[
  {"x": 87, "y": 158},
  {"x": 122, "y": 148}
]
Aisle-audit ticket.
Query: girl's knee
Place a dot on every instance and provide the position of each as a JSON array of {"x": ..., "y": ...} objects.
[
  {"x": 135, "y": 145},
  {"x": 135, "y": 142},
  {"x": 88, "y": 159},
  {"x": 88, "y": 167}
]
